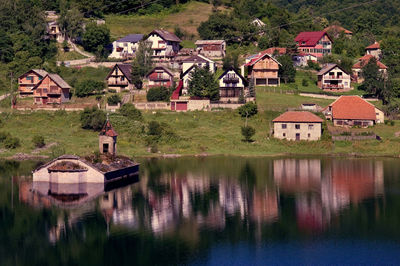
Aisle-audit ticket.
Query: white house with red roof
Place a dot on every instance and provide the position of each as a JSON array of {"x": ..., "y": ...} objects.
[
  {"x": 374, "y": 50},
  {"x": 159, "y": 76},
  {"x": 317, "y": 43},
  {"x": 189, "y": 64},
  {"x": 263, "y": 68},
  {"x": 165, "y": 45},
  {"x": 211, "y": 48},
  {"x": 298, "y": 125},
  {"x": 333, "y": 76},
  {"x": 357, "y": 67},
  {"x": 348, "y": 111}
]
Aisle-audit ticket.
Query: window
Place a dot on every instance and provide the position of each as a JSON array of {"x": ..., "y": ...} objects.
[
  {"x": 122, "y": 78},
  {"x": 28, "y": 78},
  {"x": 284, "y": 126},
  {"x": 310, "y": 127},
  {"x": 297, "y": 126},
  {"x": 45, "y": 90},
  {"x": 309, "y": 135},
  {"x": 284, "y": 134}
]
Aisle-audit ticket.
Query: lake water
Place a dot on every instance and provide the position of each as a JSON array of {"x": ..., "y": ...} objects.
[{"x": 213, "y": 210}]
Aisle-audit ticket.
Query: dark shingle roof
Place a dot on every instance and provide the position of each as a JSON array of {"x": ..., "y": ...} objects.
[
  {"x": 127, "y": 70},
  {"x": 60, "y": 82},
  {"x": 131, "y": 38},
  {"x": 168, "y": 36}
]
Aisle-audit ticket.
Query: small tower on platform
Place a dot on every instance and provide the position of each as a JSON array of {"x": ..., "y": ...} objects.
[{"x": 108, "y": 139}]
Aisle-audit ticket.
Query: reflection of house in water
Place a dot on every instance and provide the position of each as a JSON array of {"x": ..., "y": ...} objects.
[{"x": 323, "y": 192}]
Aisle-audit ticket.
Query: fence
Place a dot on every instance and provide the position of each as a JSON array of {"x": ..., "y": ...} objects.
[
  {"x": 353, "y": 137},
  {"x": 153, "y": 106}
]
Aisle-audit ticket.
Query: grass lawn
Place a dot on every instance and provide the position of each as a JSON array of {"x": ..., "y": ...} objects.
[
  {"x": 188, "y": 19},
  {"x": 192, "y": 132},
  {"x": 66, "y": 56},
  {"x": 72, "y": 75}
]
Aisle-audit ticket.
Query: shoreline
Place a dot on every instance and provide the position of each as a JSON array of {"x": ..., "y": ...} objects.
[{"x": 28, "y": 157}]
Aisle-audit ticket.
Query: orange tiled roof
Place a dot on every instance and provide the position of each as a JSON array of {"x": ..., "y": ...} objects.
[
  {"x": 352, "y": 107},
  {"x": 298, "y": 116},
  {"x": 338, "y": 29},
  {"x": 375, "y": 45},
  {"x": 280, "y": 50},
  {"x": 365, "y": 59},
  {"x": 108, "y": 130}
]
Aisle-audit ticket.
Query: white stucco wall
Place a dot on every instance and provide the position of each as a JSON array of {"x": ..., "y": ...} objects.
[{"x": 290, "y": 132}]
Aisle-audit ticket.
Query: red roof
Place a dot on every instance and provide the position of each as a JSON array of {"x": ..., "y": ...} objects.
[
  {"x": 108, "y": 130},
  {"x": 255, "y": 58},
  {"x": 298, "y": 116},
  {"x": 352, "y": 107},
  {"x": 365, "y": 59},
  {"x": 373, "y": 46},
  {"x": 309, "y": 38}
]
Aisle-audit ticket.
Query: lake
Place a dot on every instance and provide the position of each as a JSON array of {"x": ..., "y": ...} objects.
[{"x": 208, "y": 210}]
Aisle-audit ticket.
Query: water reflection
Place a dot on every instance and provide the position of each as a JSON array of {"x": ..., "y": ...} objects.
[{"x": 194, "y": 198}]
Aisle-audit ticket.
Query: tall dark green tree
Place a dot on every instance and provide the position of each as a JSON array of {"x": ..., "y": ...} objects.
[
  {"x": 203, "y": 84},
  {"x": 286, "y": 70},
  {"x": 141, "y": 64},
  {"x": 95, "y": 39},
  {"x": 70, "y": 22}
]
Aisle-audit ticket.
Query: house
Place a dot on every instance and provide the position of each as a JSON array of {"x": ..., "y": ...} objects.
[
  {"x": 357, "y": 68},
  {"x": 258, "y": 23},
  {"x": 231, "y": 86},
  {"x": 298, "y": 125},
  {"x": 189, "y": 64},
  {"x": 126, "y": 47},
  {"x": 160, "y": 76},
  {"x": 119, "y": 78},
  {"x": 353, "y": 111},
  {"x": 276, "y": 51},
  {"x": 374, "y": 50},
  {"x": 28, "y": 80},
  {"x": 263, "y": 68},
  {"x": 211, "y": 48},
  {"x": 53, "y": 30},
  {"x": 336, "y": 30},
  {"x": 317, "y": 43},
  {"x": 52, "y": 89},
  {"x": 333, "y": 77},
  {"x": 301, "y": 59},
  {"x": 165, "y": 45}
]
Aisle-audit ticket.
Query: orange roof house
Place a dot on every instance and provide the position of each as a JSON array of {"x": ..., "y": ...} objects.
[
  {"x": 353, "y": 111},
  {"x": 52, "y": 89},
  {"x": 336, "y": 30},
  {"x": 357, "y": 67},
  {"x": 374, "y": 50},
  {"x": 28, "y": 80},
  {"x": 298, "y": 125}
]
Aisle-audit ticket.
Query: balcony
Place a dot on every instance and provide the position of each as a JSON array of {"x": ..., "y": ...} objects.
[
  {"x": 118, "y": 83},
  {"x": 231, "y": 79},
  {"x": 332, "y": 86},
  {"x": 334, "y": 77},
  {"x": 160, "y": 78}
]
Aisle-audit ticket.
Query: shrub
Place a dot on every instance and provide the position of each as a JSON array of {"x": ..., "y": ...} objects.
[
  {"x": 248, "y": 110},
  {"x": 57, "y": 151},
  {"x": 131, "y": 112},
  {"x": 304, "y": 83},
  {"x": 11, "y": 142},
  {"x": 114, "y": 99},
  {"x": 158, "y": 94},
  {"x": 38, "y": 141},
  {"x": 92, "y": 118},
  {"x": 154, "y": 129},
  {"x": 112, "y": 90},
  {"x": 248, "y": 132},
  {"x": 87, "y": 87}
]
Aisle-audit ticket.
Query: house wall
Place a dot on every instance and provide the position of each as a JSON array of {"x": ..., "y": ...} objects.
[
  {"x": 198, "y": 105},
  {"x": 265, "y": 72},
  {"x": 325, "y": 79},
  {"x": 380, "y": 116},
  {"x": 290, "y": 132},
  {"x": 375, "y": 53},
  {"x": 25, "y": 86},
  {"x": 350, "y": 123},
  {"x": 90, "y": 176},
  {"x": 159, "y": 78},
  {"x": 212, "y": 50},
  {"x": 129, "y": 49},
  {"x": 357, "y": 74}
]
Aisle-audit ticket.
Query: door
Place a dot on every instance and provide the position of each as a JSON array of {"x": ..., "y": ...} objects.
[
  {"x": 105, "y": 147},
  {"x": 182, "y": 106},
  {"x": 297, "y": 136}
]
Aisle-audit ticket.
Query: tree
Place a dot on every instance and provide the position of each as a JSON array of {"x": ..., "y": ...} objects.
[
  {"x": 129, "y": 110},
  {"x": 203, "y": 84},
  {"x": 87, "y": 87},
  {"x": 142, "y": 63},
  {"x": 114, "y": 99},
  {"x": 286, "y": 70},
  {"x": 248, "y": 132},
  {"x": 248, "y": 110},
  {"x": 96, "y": 38},
  {"x": 158, "y": 94},
  {"x": 391, "y": 53},
  {"x": 70, "y": 22},
  {"x": 92, "y": 118},
  {"x": 231, "y": 60}
]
